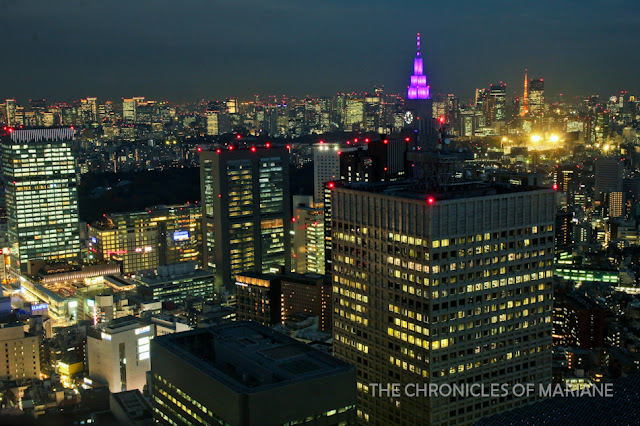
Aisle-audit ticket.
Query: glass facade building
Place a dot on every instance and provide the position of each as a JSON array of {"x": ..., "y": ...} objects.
[
  {"x": 41, "y": 195},
  {"x": 246, "y": 211}
]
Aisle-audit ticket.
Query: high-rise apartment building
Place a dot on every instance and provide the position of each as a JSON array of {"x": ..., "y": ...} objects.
[
  {"x": 145, "y": 240},
  {"x": 326, "y": 167},
  {"x": 20, "y": 359},
  {"x": 441, "y": 288},
  {"x": 244, "y": 373},
  {"x": 41, "y": 195},
  {"x": 246, "y": 211}
]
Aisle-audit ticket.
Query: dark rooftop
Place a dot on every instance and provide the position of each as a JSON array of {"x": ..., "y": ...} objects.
[{"x": 250, "y": 357}]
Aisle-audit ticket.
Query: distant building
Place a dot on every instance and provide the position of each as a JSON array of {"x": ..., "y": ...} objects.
[
  {"x": 118, "y": 353},
  {"x": 41, "y": 193},
  {"x": 246, "y": 211},
  {"x": 609, "y": 174},
  {"x": 578, "y": 321},
  {"x": 326, "y": 167},
  {"x": 245, "y": 374},
  {"x": 536, "y": 96}
]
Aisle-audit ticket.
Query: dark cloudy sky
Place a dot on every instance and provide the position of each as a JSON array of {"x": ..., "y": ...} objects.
[{"x": 192, "y": 49}]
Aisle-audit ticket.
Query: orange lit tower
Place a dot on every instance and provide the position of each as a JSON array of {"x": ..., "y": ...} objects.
[{"x": 525, "y": 99}]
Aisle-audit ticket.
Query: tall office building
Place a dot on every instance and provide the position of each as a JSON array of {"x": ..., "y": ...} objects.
[
  {"x": 246, "y": 211},
  {"x": 326, "y": 167},
  {"x": 244, "y": 373},
  {"x": 536, "y": 96},
  {"x": 118, "y": 353},
  {"x": 442, "y": 288},
  {"x": 41, "y": 195}
]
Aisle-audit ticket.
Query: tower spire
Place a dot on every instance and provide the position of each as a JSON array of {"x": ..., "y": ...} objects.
[
  {"x": 418, "y": 88},
  {"x": 525, "y": 97}
]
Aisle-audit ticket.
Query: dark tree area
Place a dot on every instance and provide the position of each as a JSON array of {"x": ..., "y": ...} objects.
[{"x": 101, "y": 193}]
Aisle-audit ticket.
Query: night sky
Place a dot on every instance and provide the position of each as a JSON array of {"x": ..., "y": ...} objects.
[{"x": 192, "y": 49}]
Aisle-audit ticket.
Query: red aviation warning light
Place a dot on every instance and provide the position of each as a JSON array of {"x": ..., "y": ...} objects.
[
  {"x": 238, "y": 136},
  {"x": 431, "y": 200},
  {"x": 331, "y": 184},
  {"x": 441, "y": 119},
  {"x": 555, "y": 187},
  {"x": 199, "y": 149},
  {"x": 253, "y": 149}
]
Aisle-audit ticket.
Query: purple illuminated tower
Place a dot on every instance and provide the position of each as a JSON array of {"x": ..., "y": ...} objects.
[
  {"x": 418, "y": 88},
  {"x": 419, "y": 107}
]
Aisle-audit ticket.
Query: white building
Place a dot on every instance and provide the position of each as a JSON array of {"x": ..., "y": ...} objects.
[{"x": 118, "y": 353}]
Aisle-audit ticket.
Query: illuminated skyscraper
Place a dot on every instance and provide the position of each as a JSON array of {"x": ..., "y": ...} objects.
[
  {"x": 41, "y": 195},
  {"x": 246, "y": 212},
  {"x": 446, "y": 288}
]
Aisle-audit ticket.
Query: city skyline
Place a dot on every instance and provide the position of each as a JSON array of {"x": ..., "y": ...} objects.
[{"x": 218, "y": 51}]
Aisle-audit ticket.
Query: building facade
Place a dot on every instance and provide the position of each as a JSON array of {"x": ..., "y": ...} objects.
[
  {"x": 20, "y": 359},
  {"x": 41, "y": 195},
  {"x": 435, "y": 288},
  {"x": 148, "y": 239}
]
